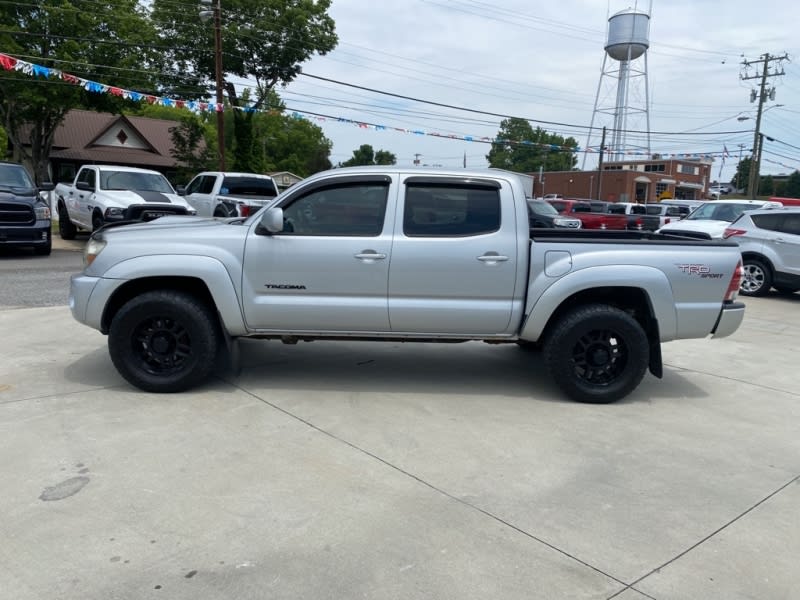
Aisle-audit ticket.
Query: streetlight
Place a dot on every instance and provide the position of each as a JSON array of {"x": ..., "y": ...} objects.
[{"x": 215, "y": 11}]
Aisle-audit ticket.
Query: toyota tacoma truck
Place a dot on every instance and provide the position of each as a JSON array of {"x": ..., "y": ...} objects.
[
  {"x": 218, "y": 194},
  {"x": 386, "y": 253},
  {"x": 104, "y": 194},
  {"x": 24, "y": 213}
]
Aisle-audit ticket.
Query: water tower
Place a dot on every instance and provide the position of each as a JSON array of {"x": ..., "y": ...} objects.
[{"x": 622, "y": 101}]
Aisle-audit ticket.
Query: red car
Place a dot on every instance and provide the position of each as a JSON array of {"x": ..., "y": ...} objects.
[{"x": 592, "y": 214}]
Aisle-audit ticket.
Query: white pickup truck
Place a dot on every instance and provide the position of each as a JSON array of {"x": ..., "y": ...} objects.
[
  {"x": 387, "y": 253},
  {"x": 104, "y": 194},
  {"x": 217, "y": 194}
]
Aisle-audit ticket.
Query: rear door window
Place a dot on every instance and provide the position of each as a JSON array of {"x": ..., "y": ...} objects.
[
  {"x": 770, "y": 222},
  {"x": 791, "y": 224},
  {"x": 450, "y": 211}
]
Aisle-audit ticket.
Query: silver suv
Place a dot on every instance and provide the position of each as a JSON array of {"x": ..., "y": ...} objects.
[{"x": 770, "y": 245}]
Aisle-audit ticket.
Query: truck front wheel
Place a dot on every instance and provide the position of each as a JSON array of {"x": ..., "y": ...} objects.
[
  {"x": 597, "y": 353},
  {"x": 66, "y": 229},
  {"x": 163, "y": 341}
]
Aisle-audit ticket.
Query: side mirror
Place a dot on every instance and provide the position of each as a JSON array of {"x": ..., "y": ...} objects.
[
  {"x": 181, "y": 190},
  {"x": 84, "y": 187},
  {"x": 272, "y": 221}
]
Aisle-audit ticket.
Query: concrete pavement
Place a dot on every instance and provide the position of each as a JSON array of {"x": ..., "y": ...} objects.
[{"x": 344, "y": 470}]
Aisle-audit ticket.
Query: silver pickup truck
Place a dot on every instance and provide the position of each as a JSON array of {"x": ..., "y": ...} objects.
[{"x": 387, "y": 253}]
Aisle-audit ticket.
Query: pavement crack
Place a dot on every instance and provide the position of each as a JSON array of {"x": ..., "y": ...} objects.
[
  {"x": 438, "y": 490},
  {"x": 708, "y": 537}
]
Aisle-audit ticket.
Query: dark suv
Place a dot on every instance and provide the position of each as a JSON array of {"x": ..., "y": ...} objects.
[
  {"x": 24, "y": 214},
  {"x": 770, "y": 245}
]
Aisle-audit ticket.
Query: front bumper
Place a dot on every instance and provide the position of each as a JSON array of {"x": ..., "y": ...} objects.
[
  {"x": 80, "y": 290},
  {"x": 730, "y": 317},
  {"x": 26, "y": 235}
]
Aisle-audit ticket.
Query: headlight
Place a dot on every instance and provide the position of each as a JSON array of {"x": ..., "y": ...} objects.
[
  {"x": 42, "y": 212},
  {"x": 114, "y": 213},
  {"x": 93, "y": 247}
]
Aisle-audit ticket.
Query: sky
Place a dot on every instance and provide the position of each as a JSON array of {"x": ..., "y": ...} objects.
[{"x": 543, "y": 61}]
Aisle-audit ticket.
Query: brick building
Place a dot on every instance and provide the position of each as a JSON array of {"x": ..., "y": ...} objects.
[{"x": 632, "y": 180}]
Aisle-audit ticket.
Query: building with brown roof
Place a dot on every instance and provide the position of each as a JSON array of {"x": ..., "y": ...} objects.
[{"x": 87, "y": 137}]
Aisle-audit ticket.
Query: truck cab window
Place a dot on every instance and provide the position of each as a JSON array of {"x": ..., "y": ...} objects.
[
  {"x": 343, "y": 210},
  {"x": 450, "y": 211}
]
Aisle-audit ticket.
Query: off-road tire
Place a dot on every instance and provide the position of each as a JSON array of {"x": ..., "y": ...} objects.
[
  {"x": 66, "y": 228},
  {"x": 97, "y": 220},
  {"x": 597, "y": 353},
  {"x": 164, "y": 341},
  {"x": 756, "y": 279}
]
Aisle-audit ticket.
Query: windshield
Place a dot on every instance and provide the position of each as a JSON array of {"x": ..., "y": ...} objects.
[
  {"x": 720, "y": 211},
  {"x": 131, "y": 180},
  {"x": 15, "y": 176},
  {"x": 540, "y": 207}
]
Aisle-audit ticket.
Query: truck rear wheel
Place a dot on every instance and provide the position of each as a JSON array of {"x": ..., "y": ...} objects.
[
  {"x": 66, "y": 229},
  {"x": 597, "y": 354},
  {"x": 164, "y": 341}
]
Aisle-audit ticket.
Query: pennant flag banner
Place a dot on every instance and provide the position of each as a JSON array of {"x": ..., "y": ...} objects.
[{"x": 9, "y": 63}]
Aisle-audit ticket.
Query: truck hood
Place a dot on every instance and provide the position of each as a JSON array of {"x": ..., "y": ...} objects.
[
  {"x": 21, "y": 198},
  {"x": 713, "y": 228},
  {"x": 126, "y": 198}
]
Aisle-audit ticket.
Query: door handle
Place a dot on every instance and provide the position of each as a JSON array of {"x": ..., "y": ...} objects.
[
  {"x": 779, "y": 240},
  {"x": 368, "y": 255},
  {"x": 492, "y": 258}
]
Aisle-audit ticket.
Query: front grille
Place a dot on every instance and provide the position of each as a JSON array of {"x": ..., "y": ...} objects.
[
  {"x": 148, "y": 213},
  {"x": 16, "y": 214}
]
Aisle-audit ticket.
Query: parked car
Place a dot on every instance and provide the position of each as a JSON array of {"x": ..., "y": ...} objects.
[
  {"x": 24, "y": 213},
  {"x": 218, "y": 194},
  {"x": 104, "y": 194},
  {"x": 770, "y": 244},
  {"x": 542, "y": 214},
  {"x": 685, "y": 207},
  {"x": 592, "y": 214},
  {"x": 710, "y": 220}
]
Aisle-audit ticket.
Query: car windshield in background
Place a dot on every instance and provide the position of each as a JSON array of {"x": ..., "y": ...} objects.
[
  {"x": 15, "y": 176},
  {"x": 718, "y": 211},
  {"x": 540, "y": 207},
  {"x": 248, "y": 186},
  {"x": 130, "y": 180}
]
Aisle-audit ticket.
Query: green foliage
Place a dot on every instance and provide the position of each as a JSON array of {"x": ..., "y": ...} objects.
[
  {"x": 792, "y": 186},
  {"x": 365, "y": 155},
  {"x": 513, "y": 155},
  {"x": 742, "y": 175},
  {"x": 54, "y": 31},
  {"x": 766, "y": 186},
  {"x": 3, "y": 144}
]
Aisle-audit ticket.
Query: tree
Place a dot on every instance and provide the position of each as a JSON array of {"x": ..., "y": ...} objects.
[
  {"x": 742, "y": 175},
  {"x": 365, "y": 155},
  {"x": 3, "y": 144},
  {"x": 766, "y": 186},
  {"x": 264, "y": 40},
  {"x": 792, "y": 186},
  {"x": 81, "y": 37},
  {"x": 521, "y": 148}
]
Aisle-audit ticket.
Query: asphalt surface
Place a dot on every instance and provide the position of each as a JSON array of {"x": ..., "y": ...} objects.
[{"x": 366, "y": 470}]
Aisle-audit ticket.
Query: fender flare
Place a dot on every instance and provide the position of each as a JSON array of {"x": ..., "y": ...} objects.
[
  {"x": 653, "y": 282},
  {"x": 209, "y": 270}
]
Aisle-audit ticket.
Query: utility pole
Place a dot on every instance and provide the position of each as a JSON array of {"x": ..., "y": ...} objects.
[
  {"x": 215, "y": 12},
  {"x": 600, "y": 163},
  {"x": 761, "y": 96}
]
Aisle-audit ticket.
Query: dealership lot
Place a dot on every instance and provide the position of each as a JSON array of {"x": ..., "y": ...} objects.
[{"x": 344, "y": 470}]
